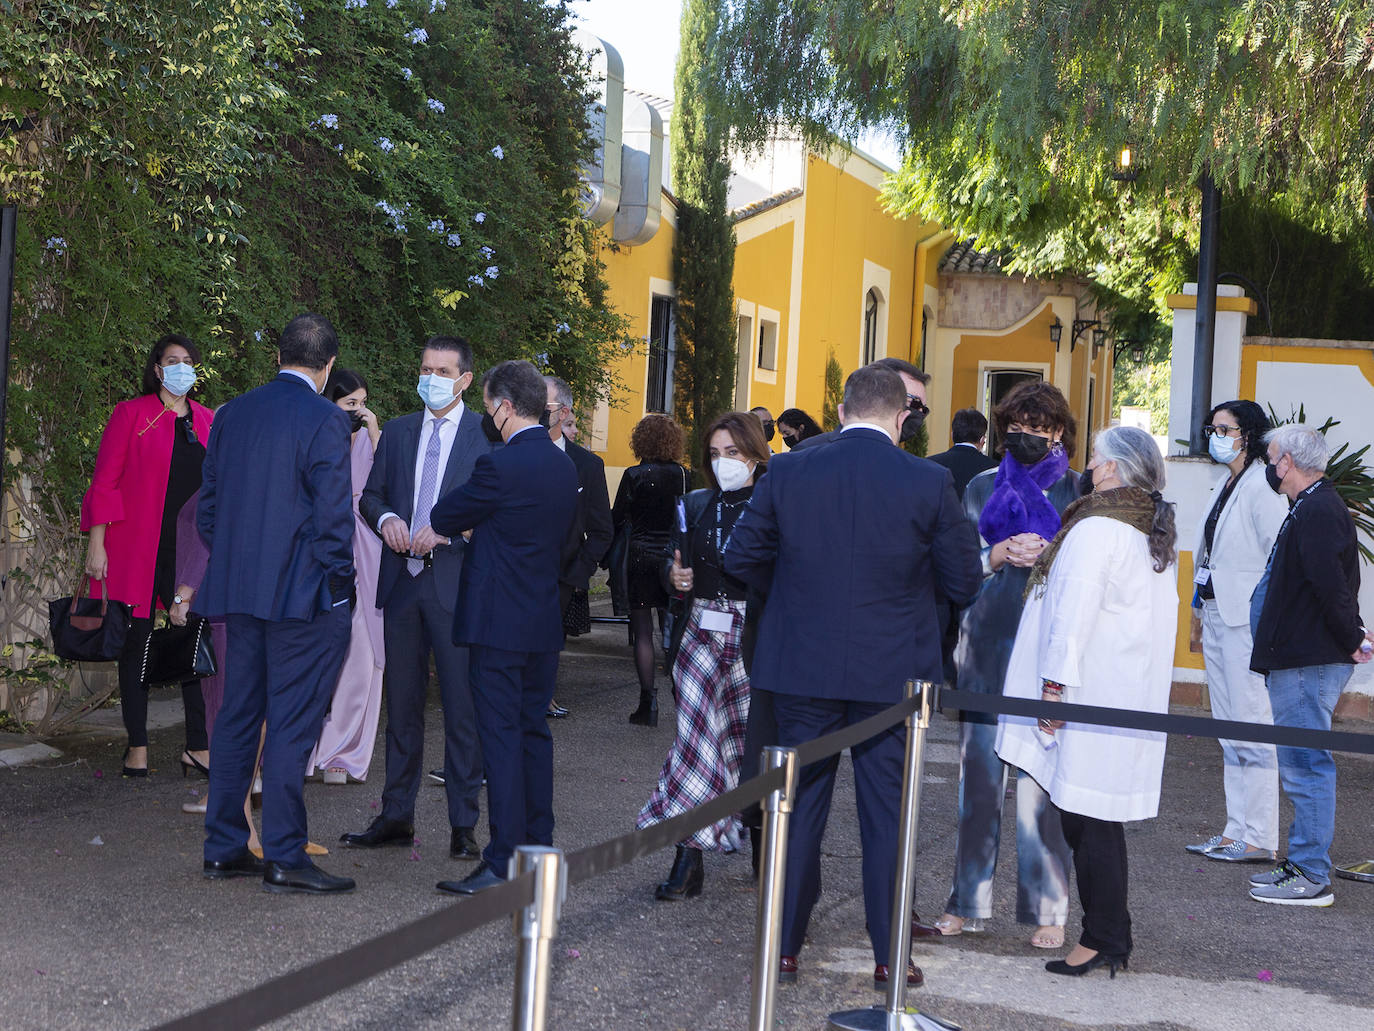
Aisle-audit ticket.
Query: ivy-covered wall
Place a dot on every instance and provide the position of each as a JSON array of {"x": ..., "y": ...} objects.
[{"x": 404, "y": 167}]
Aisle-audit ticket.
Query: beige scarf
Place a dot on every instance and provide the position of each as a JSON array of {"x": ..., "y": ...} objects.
[{"x": 1130, "y": 505}]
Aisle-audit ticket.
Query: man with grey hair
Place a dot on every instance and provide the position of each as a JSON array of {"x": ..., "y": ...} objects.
[{"x": 1308, "y": 634}]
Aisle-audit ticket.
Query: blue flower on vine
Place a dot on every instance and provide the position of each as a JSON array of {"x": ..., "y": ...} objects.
[
  {"x": 385, "y": 145},
  {"x": 454, "y": 240},
  {"x": 477, "y": 281},
  {"x": 498, "y": 153},
  {"x": 435, "y": 105},
  {"x": 407, "y": 74},
  {"x": 486, "y": 253},
  {"x": 390, "y": 4},
  {"x": 493, "y": 271},
  {"x": 355, "y": 5},
  {"x": 563, "y": 327},
  {"x": 56, "y": 244},
  {"x": 397, "y": 215},
  {"x": 480, "y": 217},
  {"x": 329, "y": 121},
  {"x": 436, "y": 6},
  {"x": 257, "y": 335},
  {"x": 436, "y": 226},
  {"x": 417, "y": 36}
]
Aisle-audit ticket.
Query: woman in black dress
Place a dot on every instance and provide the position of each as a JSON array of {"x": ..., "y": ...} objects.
[{"x": 645, "y": 507}]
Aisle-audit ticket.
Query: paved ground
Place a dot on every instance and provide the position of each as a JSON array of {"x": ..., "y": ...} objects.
[{"x": 106, "y": 922}]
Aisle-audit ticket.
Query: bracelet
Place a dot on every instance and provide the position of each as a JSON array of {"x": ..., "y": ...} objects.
[{"x": 1051, "y": 687}]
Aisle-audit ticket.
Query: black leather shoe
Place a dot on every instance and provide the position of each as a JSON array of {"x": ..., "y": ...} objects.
[
  {"x": 246, "y": 865},
  {"x": 308, "y": 878},
  {"x": 462, "y": 844},
  {"x": 685, "y": 878},
  {"x": 437, "y": 776},
  {"x": 482, "y": 878},
  {"x": 556, "y": 711},
  {"x": 921, "y": 929},
  {"x": 381, "y": 831}
]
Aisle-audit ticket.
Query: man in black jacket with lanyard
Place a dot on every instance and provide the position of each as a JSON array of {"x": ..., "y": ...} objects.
[{"x": 1305, "y": 615}]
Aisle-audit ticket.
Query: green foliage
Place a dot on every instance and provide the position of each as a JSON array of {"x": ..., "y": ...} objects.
[
  {"x": 833, "y": 392},
  {"x": 1012, "y": 113},
  {"x": 704, "y": 247},
  {"x": 215, "y": 168},
  {"x": 1144, "y": 386}
]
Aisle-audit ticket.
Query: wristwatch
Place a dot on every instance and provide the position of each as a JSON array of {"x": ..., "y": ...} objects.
[{"x": 177, "y": 599}]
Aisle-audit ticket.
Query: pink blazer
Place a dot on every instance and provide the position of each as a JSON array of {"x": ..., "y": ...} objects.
[{"x": 128, "y": 489}]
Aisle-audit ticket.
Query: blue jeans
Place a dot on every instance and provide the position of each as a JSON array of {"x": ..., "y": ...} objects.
[
  {"x": 1306, "y": 697},
  {"x": 1042, "y": 854}
]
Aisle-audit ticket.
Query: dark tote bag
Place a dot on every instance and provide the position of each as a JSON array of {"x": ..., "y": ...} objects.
[
  {"x": 176, "y": 654},
  {"x": 88, "y": 629},
  {"x": 577, "y": 617}
]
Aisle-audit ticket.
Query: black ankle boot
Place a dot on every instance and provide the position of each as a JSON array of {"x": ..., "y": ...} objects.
[
  {"x": 685, "y": 878},
  {"x": 647, "y": 713}
]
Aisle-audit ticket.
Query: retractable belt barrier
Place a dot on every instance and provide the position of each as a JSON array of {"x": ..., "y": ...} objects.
[{"x": 283, "y": 995}]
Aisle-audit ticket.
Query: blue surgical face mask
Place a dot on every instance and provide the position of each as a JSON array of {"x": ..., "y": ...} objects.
[
  {"x": 1223, "y": 449},
  {"x": 436, "y": 391},
  {"x": 179, "y": 378}
]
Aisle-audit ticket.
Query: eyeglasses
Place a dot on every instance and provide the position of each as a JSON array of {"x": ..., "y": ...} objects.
[
  {"x": 917, "y": 405},
  {"x": 1221, "y": 431}
]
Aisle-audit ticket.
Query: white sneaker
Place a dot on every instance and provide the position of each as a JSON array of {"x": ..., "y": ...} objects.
[{"x": 1294, "y": 890}]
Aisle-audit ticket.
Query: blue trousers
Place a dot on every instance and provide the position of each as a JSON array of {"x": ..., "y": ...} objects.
[
  {"x": 878, "y": 791},
  {"x": 282, "y": 673},
  {"x": 1306, "y": 697},
  {"x": 511, "y": 692}
]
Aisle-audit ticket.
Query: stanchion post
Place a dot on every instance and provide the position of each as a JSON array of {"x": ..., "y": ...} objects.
[
  {"x": 535, "y": 927},
  {"x": 777, "y": 813},
  {"x": 893, "y": 1016}
]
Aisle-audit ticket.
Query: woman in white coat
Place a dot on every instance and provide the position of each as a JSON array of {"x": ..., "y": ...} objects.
[
  {"x": 1098, "y": 629},
  {"x": 1232, "y": 546}
]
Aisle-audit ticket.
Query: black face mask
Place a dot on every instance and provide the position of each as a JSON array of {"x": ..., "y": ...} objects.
[
  {"x": 1085, "y": 483},
  {"x": 355, "y": 421},
  {"x": 789, "y": 440},
  {"x": 1271, "y": 474},
  {"x": 1026, "y": 448},
  {"x": 544, "y": 418},
  {"x": 911, "y": 426},
  {"x": 768, "y": 429},
  {"x": 490, "y": 429}
]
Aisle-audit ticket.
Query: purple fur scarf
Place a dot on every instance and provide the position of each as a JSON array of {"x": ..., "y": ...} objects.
[{"x": 1018, "y": 503}]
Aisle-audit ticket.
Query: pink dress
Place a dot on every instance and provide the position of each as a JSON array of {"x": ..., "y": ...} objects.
[{"x": 350, "y": 730}]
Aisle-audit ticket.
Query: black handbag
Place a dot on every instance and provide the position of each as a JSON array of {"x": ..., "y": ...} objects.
[
  {"x": 176, "y": 654},
  {"x": 577, "y": 617},
  {"x": 88, "y": 629}
]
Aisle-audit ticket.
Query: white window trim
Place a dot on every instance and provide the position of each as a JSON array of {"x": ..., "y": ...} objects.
[
  {"x": 775, "y": 317},
  {"x": 878, "y": 279}
]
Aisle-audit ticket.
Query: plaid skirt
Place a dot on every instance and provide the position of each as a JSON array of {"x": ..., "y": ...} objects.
[{"x": 712, "y": 710}]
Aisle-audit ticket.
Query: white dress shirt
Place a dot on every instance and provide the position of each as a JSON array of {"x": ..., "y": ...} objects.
[{"x": 448, "y": 432}]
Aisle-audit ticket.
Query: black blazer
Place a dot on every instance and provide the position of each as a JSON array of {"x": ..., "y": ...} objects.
[
  {"x": 964, "y": 462},
  {"x": 1311, "y": 613},
  {"x": 391, "y": 488},
  {"x": 591, "y": 532},
  {"x": 519, "y": 504},
  {"x": 852, "y": 542}
]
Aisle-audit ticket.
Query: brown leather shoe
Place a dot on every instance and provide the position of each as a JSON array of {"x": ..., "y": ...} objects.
[
  {"x": 920, "y": 929},
  {"x": 787, "y": 970},
  {"x": 914, "y": 977}
]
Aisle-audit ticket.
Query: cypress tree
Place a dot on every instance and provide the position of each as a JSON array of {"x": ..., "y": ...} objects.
[{"x": 704, "y": 248}]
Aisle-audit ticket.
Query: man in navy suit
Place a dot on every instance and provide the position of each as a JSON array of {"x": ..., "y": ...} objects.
[
  {"x": 518, "y": 504},
  {"x": 852, "y": 542},
  {"x": 423, "y": 456},
  {"x": 276, "y": 513},
  {"x": 965, "y": 460}
]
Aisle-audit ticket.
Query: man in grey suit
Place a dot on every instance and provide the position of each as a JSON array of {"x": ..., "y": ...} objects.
[{"x": 421, "y": 457}]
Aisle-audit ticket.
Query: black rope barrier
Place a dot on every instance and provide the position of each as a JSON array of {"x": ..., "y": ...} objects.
[{"x": 1162, "y": 722}]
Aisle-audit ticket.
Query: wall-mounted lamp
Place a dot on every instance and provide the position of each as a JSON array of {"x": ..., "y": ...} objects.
[
  {"x": 1134, "y": 348},
  {"x": 1125, "y": 169},
  {"x": 1080, "y": 325},
  {"x": 1056, "y": 331}
]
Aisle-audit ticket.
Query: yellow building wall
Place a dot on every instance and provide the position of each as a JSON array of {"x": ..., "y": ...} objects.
[{"x": 763, "y": 278}]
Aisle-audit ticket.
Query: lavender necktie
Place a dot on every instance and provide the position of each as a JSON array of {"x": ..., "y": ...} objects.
[{"x": 429, "y": 481}]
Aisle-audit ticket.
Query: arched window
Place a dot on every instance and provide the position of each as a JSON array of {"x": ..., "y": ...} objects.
[{"x": 870, "y": 350}]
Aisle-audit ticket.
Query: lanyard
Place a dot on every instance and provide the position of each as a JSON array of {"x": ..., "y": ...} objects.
[{"x": 1292, "y": 513}]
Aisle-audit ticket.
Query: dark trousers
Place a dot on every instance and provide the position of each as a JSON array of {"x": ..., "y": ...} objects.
[
  {"x": 511, "y": 692},
  {"x": 284, "y": 673},
  {"x": 414, "y": 626},
  {"x": 1099, "y": 863},
  {"x": 133, "y": 694},
  {"x": 878, "y": 790}
]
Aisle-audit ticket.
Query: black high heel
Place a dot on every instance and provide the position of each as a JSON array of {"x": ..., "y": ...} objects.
[
  {"x": 1062, "y": 966},
  {"x": 194, "y": 764},
  {"x": 132, "y": 771},
  {"x": 647, "y": 713}
]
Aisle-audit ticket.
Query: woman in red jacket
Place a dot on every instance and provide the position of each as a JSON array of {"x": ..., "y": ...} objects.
[{"x": 147, "y": 467}]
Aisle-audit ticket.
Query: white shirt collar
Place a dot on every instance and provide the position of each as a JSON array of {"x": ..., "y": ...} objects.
[
  {"x": 866, "y": 426},
  {"x": 302, "y": 377},
  {"x": 561, "y": 443},
  {"x": 455, "y": 414}
]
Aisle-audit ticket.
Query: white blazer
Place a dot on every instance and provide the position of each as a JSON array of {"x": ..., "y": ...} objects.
[{"x": 1244, "y": 538}]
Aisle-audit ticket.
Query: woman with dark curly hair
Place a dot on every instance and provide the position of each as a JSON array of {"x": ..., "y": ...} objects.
[
  {"x": 1232, "y": 546},
  {"x": 644, "y": 510},
  {"x": 710, "y": 676},
  {"x": 1016, "y": 511},
  {"x": 795, "y": 426}
]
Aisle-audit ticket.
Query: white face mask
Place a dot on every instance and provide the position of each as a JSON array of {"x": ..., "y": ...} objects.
[
  {"x": 1223, "y": 449},
  {"x": 436, "y": 392},
  {"x": 731, "y": 473},
  {"x": 179, "y": 378}
]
